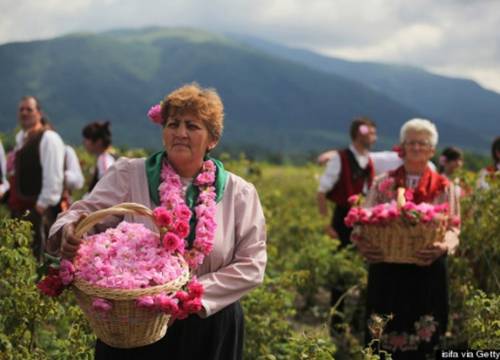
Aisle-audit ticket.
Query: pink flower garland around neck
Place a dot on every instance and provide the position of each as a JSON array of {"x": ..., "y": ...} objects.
[{"x": 174, "y": 215}]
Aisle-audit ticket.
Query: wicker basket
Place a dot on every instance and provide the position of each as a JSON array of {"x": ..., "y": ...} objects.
[
  {"x": 125, "y": 325},
  {"x": 400, "y": 240}
]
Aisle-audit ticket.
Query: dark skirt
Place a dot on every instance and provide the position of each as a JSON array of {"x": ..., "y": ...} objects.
[
  {"x": 417, "y": 297},
  {"x": 219, "y": 336}
]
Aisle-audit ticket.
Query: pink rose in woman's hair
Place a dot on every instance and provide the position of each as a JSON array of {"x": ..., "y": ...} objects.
[
  {"x": 154, "y": 114},
  {"x": 172, "y": 242},
  {"x": 162, "y": 216},
  {"x": 66, "y": 272},
  {"x": 102, "y": 305},
  {"x": 363, "y": 129}
]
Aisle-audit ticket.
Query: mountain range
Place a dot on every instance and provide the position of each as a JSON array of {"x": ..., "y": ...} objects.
[{"x": 277, "y": 99}]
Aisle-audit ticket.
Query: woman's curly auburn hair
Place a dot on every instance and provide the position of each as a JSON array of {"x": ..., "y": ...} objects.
[{"x": 203, "y": 103}]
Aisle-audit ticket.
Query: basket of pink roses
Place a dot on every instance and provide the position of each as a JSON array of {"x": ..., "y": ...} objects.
[
  {"x": 129, "y": 280},
  {"x": 400, "y": 228}
]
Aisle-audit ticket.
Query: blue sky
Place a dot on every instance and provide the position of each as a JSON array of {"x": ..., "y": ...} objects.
[{"x": 450, "y": 37}]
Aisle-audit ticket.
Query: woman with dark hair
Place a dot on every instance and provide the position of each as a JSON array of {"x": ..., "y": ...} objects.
[
  {"x": 487, "y": 172},
  {"x": 97, "y": 141},
  {"x": 450, "y": 160}
]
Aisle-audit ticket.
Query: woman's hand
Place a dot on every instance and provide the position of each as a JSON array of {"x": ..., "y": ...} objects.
[
  {"x": 371, "y": 253},
  {"x": 70, "y": 243},
  {"x": 432, "y": 252}
]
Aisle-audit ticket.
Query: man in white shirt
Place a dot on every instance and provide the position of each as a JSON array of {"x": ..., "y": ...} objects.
[
  {"x": 37, "y": 182},
  {"x": 348, "y": 172}
]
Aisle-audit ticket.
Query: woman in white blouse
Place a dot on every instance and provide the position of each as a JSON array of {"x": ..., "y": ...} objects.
[
  {"x": 97, "y": 141},
  {"x": 192, "y": 120}
]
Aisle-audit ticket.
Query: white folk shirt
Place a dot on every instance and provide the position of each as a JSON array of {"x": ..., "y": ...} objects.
[
  {"x": 333, "y": 168},
  {"x": 104, "y": 161},
  {"x": 73, "y": 177},
  {"x": 4, "y": 186},
  {"x": 52, "y": 162}
]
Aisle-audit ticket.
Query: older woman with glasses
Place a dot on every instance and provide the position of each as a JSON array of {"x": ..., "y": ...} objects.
[{"x": 416, "y": 295}]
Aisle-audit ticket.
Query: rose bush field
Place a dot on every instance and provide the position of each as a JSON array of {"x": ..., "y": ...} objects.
[{"x": 288, "y": 316}]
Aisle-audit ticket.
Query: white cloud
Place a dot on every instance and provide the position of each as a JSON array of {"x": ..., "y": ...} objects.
[{"x": 399, "y": 47}]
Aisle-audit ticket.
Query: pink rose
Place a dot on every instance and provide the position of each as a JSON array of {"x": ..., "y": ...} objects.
[
  {"x": 205, "y": 178},
  {"x": 182, "y": 229},
  {"x": 66, "y": 272},
  {"x": 195, "y": 288},
  {"x": 455, "y": 221},
  {"x": 146, "y": 302},
  {"x": 364, "y": 129},
  {"x": 166, "y": 304},
  {"x": 209, "y": 165},
  {"x": 183, "y": 212},
  {"x": 182, "y": 296},
  {"x": 193, "y": 306},
  {"x": 408, "y": 194},
  {"x": 102, "y": 305},
  {"x": 353, "y": 199},
  {"x": 154, "y": 114},
  {"x": 172, "y": 242},
  {"x": 162, "y": 216}
]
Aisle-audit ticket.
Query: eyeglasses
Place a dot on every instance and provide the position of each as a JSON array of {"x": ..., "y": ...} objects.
[{"x": 420, "y": 143}]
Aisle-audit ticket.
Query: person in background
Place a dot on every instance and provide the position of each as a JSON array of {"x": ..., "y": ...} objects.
[
  {"x": 4, "y": 183},
  {"x": 97, "y": 141},
  {"x": 383, "y": 161},
  {"x": 416, "y": 295},
  {"x": 450, "y": 160},
  {"x": 73, "y": 176},
  {"x": 494, "y": 168},
  {"x": 37, "y": 173},
  {"x": 348, "y": 172}
]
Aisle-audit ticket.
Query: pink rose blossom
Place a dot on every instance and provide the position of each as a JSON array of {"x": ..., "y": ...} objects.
[
  {"x": 162, "y": 216},
  {"x": 181, "y": 229},
  {"x": 167, "y": 304},
  {"x": 102, "y": 305},
  {"x": 146, "y": 302},
  {"x": 66, "y": 272},
  {"x": 364, "y": 129},
  {"x": 154, "y": 114},
  {"x": 195, "y": 288},
  {"x": 172, "y": 242}
]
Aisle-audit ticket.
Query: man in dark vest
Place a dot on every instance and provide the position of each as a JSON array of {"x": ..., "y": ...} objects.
[
  {"x": 37, "y": 181},
  {"x": 348, "y": 172}
]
